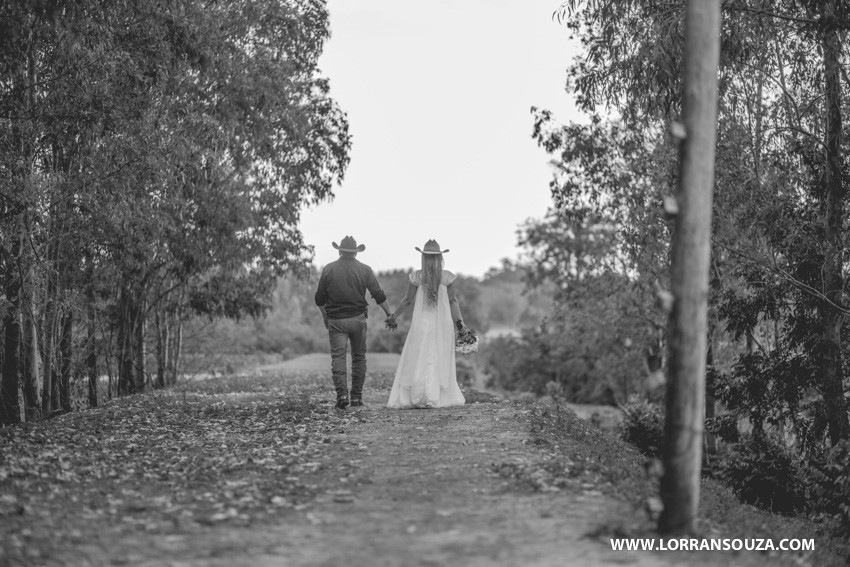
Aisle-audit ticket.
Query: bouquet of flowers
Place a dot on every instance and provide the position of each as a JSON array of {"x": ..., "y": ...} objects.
[{"x": 467, "y": 340}]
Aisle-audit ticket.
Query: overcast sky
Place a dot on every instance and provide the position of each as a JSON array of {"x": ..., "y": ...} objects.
[{"x": 438, "y": 97}]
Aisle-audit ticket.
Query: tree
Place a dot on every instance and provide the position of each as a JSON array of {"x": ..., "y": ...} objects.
[
  {"x": 772, "y": 156},
  {"x": 152, "y": 151},
  {"x": 777, "y": 271},
  {"x": 834, "y": 194},
  {"x": 592, "y": 346},
  {"x": 689, "y": 270}
]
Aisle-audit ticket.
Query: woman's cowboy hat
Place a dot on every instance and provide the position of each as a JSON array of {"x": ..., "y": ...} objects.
[
  {"x": 431, "y": 247},
  {"x": 348, "y": 244}
]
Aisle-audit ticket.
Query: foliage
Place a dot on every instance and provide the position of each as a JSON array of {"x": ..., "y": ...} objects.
[
  {"x": 764, "y": 472},
  {"x": 155, "y": 158},
  {"x": 291, "y": 325},
  {"x": 778, "y": 279},
  {"x": 772, "y": 389},
  {"x": 608, "y": 183},
  {"x": 723, "y": 511},
  {"x": 603, "y": 249},
  {"x": 829, "y": 478},
  {"x": 643, "y": 427},
  {"x": 509, "y": 301},
  {"x": 593, "y": 347}
]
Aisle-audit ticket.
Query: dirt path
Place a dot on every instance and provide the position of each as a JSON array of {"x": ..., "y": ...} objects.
[
  {"x": 417, "y": 487},
  {"x": 379, "y": 488}
]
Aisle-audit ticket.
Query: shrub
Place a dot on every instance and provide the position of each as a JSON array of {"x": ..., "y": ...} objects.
[
  {"x": 764, "y": 472},
  {"x": 589, "y": 367},
  {"x": 830, "y": 483},
  {"x": 643, "y": 427},
  {"x": 724, "y": 426}
]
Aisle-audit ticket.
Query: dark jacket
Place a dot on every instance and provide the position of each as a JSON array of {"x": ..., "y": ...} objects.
[{"x": 342, "y": 288}]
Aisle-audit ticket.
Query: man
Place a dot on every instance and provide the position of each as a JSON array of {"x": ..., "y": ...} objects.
[{"x": 341, "y": 296}]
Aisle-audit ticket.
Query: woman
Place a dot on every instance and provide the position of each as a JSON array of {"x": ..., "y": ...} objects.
[{"x": 426, "y": 376}]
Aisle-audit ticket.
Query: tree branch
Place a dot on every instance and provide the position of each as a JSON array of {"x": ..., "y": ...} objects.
[
  {"x": 787, "y": 17},
  {"x": 809, "y": 290}
]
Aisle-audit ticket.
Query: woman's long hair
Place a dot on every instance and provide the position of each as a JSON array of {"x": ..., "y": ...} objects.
[{"x": 432, "y": 275}]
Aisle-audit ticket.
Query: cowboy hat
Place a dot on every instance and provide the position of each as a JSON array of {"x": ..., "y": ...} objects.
[
  {"x": 431, "y": 247},
  {"x": 348, "y": 244}
]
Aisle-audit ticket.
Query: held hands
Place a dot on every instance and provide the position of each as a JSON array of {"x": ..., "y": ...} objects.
[{"x": 391, "y": 322}]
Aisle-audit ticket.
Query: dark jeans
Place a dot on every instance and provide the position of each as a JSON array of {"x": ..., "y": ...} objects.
[{"x": 340, "y": 331}]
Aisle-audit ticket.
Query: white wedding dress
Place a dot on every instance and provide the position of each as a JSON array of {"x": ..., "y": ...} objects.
[{"x": 426, "y": 376}]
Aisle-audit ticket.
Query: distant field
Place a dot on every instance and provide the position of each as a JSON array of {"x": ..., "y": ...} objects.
[
  {"x": 375, "y": 363},
  {"x": 497, "y": 332}
]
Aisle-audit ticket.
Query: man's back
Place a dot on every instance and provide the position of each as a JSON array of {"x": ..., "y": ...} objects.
[{"x": 342, "y": 288}]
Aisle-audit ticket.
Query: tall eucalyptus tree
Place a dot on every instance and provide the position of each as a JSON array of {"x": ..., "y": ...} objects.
[{"x": 154, "y": 158}]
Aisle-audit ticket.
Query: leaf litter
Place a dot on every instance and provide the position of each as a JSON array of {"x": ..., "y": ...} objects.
[{"x": 233, "y": 450}]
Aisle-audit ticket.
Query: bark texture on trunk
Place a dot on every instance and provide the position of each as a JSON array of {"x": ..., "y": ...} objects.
[
  {"x": 65, "y": 342},
  {"x": 690, "y": 273},
  {"x": 10, "y": 411},
  {"x": 31, "y": 367},
  {"x": 91, "y": 353},
  {"x": 832, "y": 319},
  {"x": 161, "y": 347},
  {"x": 140, "y": 349},
  {"x": 127, "y": 381}
]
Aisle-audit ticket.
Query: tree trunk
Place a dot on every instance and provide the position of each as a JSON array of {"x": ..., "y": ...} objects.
[
  {"x": 833, "y": 212},
  {"x": 140, "y": 350},
  {"x": 65, "y": 361},
  {"x": 109, "y": 359},
  {"x": 711, "y": 355},
  {"x": 49, "y": 394},
  {"x": 126, "y": 360},
  {"x": 110, "y": 378},
  {"x": 54, "y": 368},
  {"x": 756, "y": 419},
  {"x": 46, "y": 362},
  {"x": 31, "y": 378},
  {"x": 177, "y": 349},
  {"x": 689, "y": 273},
  {"x": 91, "y": 364},
  {"x": 161, "y": 347},
  {"x": 22, "y": 76},
  {"x": 91, "y": 351},
  {"x": 29, "y": 349},
  {"x": 10, "y": 411},
  {"x": 710, "y": 403}
]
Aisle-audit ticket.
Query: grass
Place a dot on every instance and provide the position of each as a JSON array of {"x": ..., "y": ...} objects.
[
  {"x": 585, "y": 451},
  {"x": 225, "y": 363},
  {"x": 720, "y": 510},
  {"x": 580, "y": 450}
]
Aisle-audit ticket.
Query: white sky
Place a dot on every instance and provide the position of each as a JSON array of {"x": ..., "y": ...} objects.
[{"x": 438, "y": 97}]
